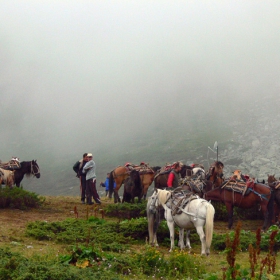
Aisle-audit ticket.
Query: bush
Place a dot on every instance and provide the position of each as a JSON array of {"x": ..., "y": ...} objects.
[
  {"x": 126, "y": 210},
  {"x": 19, "y": 198}
]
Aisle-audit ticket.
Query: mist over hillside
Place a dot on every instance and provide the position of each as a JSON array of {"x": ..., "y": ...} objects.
[
  {"x": 247, "y": 140},
  {"x": 132, "y": 81}
]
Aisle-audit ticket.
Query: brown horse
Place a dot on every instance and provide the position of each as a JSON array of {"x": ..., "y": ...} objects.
[
  {"x": 215, "y": 174},
  {"x": 255, "y": 193},
  {"x": 147, "y": 178},
  {"x": 118, "y": 175}
]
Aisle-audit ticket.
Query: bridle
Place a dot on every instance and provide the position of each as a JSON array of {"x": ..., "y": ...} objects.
[{"x": 33, "y": 169}]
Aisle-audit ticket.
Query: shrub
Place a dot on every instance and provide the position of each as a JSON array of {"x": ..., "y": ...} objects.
[
  {"x": 19, "y": 198},
  {"x": 126, "y": 210}
]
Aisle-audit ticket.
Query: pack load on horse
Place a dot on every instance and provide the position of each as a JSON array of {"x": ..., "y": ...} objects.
[
  {"x": 242, "y": 193},
  {"x": 160, "y": 179},
  {"x": 120, "y": 173},
  {"x": 199, "y": 179},
  {"x": 186, "y": 211},
  {"x": 12, "y": 164}
]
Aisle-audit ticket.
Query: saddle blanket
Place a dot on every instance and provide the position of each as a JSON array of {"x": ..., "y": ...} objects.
[
  {"x": 179, "y": 199},
  {"x": 143, "y": 168},
  {"x": 238, "y": 186}
]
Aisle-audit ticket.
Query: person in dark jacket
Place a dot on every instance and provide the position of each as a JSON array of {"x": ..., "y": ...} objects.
[{"x": 78, "y": 168}]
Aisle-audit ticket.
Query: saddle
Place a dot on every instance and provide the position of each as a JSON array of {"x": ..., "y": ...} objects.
[
  {"x": 239, "y": 186},
  {"x": 10, "y": 165},
  {"x": 179, "y": 199},
  {"x": 143, "y": 168}
]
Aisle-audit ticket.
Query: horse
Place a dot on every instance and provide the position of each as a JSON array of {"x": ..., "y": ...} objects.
[
  {"x": 132, "y": 187},
  {"x": 27, "y": 168},
  {"x": 160, "y": 180},
  {"x": 7, "y": 177},
  {"x": 245, "y": 196},
  {"x": 147, "y": 178},
  {"x": 274, "y": 184},
  {"x": 120, "y": 173},
  {"x": 215, "y": 174},
  {"x": 196, "y": 213}
]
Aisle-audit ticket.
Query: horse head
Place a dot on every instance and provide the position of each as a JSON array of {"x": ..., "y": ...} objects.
[
  {"x": 35, "y": 170},
  {"x": 271, "y": 179},
  {"x": 215, "y": 173}
]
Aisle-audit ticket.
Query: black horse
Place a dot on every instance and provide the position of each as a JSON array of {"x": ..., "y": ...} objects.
[
  {"x": 132, "y": 187},
  {"x": 26, "y": 168}
]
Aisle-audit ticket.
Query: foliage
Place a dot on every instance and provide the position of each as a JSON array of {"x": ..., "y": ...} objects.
[
  {"x": 246, "y": 238},
  {"x": 71, "y": 231},
  {"x": 126, "y": 210},
  {"x": 19, "y": 198},
  {"x": 259, "y": 269}
]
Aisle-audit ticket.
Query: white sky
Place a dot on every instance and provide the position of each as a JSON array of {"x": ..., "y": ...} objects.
[{"x": 74, "y": 72}]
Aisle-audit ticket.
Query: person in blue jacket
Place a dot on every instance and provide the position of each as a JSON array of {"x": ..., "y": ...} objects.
[{"x": 106, "y": 185}]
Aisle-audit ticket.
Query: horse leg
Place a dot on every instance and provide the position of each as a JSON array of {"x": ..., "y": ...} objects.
[
  {"x": 200, "y": 232},
  {"x": 181, "y": 243},
  {"x": 188, "y": 243},
  {"x": 229, "y": 207},
  {"x": 170, "y": 224}
]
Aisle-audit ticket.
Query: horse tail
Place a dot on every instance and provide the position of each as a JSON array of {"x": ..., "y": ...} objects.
[
  {"x": 111, "y": 183},
  {"x": 210, "y": 212},
  {"x": 154, "y": 220}
]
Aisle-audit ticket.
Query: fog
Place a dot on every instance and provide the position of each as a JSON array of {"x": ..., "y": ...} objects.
[{"x": 80, "y": 76}]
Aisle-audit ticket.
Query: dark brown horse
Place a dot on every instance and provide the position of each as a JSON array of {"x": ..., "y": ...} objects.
[
  {"x": 274, "y": 184},
  {"x": 132, "y": 187},
  {"x": 160, "y": 180},
  {"x": 28, "y": 168},
  {"x": 256, "y": 193}
]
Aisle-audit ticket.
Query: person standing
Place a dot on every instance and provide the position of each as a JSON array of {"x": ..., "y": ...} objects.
[
  {"x": 78, "y": 168},
  {"x": 89, "y": 170},
  {"x": 106, "y": 184},
  {"x": 173, "y": 177}
]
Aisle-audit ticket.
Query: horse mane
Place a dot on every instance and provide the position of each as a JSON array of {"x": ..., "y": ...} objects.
[
  {"x": 218, "y": 164},
  {"x": 163, "y": 196}
]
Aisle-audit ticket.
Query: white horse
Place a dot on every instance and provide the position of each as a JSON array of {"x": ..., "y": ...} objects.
[
  {"x": 7, "y": 177},
  {"x": 196, "y": 213}
]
